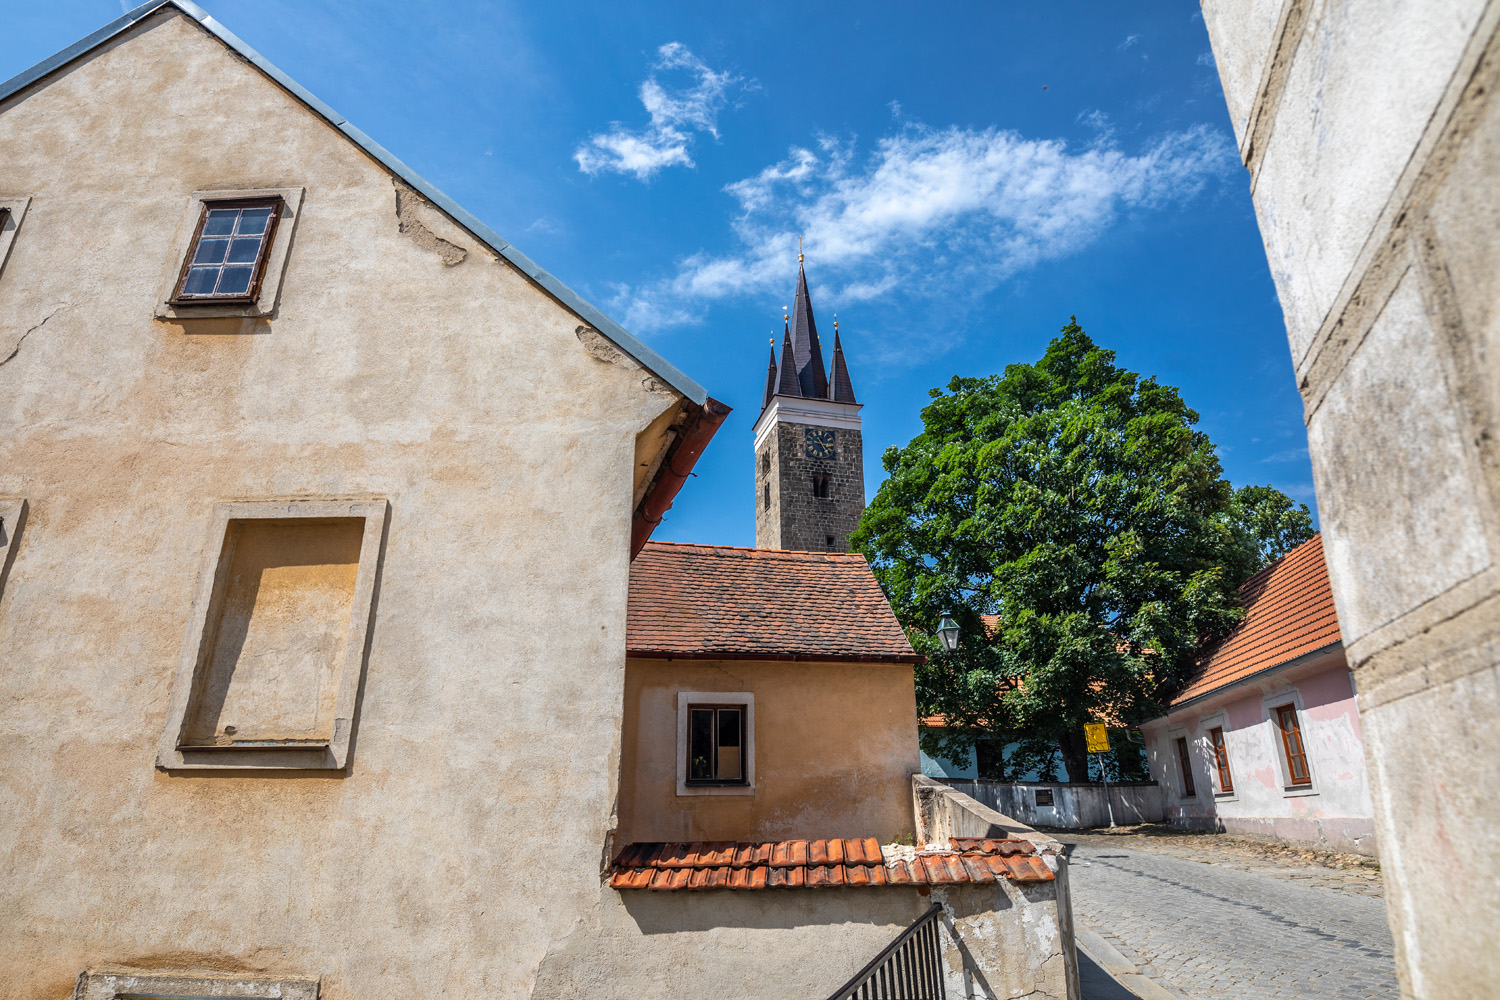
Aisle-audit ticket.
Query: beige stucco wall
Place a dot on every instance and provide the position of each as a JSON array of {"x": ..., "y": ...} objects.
[
  {"x": 835, "y": 749},
  {"x": 1371, "y": 133},
  {"x": 450, "y": 859}
]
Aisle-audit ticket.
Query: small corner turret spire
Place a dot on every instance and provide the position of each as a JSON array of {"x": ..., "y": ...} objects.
[{"x": 770, "y": 377}]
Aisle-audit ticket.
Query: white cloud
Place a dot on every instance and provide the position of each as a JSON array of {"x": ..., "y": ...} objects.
[
  {"x": 934, "y": 215},
  {"x": 676, "y": 113},
  {"x": 1129, "y": 41},
  {"x": 1206, "y": 59},
  {"x": 1289, "y": 455}
]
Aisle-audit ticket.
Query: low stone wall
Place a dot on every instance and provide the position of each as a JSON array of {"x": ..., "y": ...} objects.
[
  {"x": 1046, "y": 910},
  {"x": 1074, "y": 807}
]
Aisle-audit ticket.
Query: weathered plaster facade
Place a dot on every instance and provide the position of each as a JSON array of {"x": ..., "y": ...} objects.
[
  {"x": 473, "y": 453},
  {"x": 1333, "y": 812},
  {"x": 835, "y": 748},
  {"x": 456, "y": 390},
  {"x": 1372, "y": 133}
]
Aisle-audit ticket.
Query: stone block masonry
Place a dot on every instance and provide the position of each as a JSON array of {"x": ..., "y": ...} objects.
[{"x": 805, "y": 511}]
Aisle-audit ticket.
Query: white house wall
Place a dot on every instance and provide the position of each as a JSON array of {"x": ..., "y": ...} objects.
[{"x": 1335, "y": 812}]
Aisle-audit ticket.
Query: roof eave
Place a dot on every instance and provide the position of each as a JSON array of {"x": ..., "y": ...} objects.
[
  {"x": 1297, "y": 660},
  {"x": 569, "y": 299},
  {"x": 783, "y": 656}
]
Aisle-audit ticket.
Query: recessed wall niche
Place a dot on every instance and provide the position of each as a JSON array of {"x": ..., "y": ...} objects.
[{"x": 276, "y": 641}]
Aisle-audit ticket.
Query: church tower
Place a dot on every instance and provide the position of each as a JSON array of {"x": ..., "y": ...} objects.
[{"x": 809, "y": 460}]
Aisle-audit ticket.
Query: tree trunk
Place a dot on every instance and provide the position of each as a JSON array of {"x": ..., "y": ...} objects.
[{"x": 1075, "y": 755}]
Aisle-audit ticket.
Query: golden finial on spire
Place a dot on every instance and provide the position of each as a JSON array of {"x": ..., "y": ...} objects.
[
  {"x": 786, "y": 316},
  {"x": 799, "y": 249},
  {"x": 835, "y": 322}
]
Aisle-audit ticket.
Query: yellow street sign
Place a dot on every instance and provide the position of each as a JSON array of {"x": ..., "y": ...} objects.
[{"x": 1097, "y": 737}]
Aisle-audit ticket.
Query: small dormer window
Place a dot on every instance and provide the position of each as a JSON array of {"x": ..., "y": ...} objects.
[{"x": 227, "y": 257}]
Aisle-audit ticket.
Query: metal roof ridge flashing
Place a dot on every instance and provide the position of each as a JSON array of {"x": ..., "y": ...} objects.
[{"x": 570, "y": 300}]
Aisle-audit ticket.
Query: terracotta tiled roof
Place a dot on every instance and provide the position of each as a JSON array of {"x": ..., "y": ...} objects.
[
  {"x": 1288, "y": 613},
  {"x": 817, "y": 864},
  {"x": 723, "y": 602}
]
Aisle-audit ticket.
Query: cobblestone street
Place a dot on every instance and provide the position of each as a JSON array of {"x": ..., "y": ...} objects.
[{"x": 1214, "y": 922}]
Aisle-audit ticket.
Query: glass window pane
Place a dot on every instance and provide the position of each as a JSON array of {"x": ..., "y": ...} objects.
[
  {"x": 220, "y": 221},
  {"x": 700, "y": 744},
  {"x": 200, "y": 281},
  {"x": 236, "y": 281},
  {"x": 244, "y": 251},
  {"x": 210, "y": 251},
  {"x": 253, "y": 221},
  {"x": 729, "y": 727},
  {"x": 729, "y": 764}
]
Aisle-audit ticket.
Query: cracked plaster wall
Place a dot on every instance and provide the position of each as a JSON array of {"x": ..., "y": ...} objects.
[
  {"x": 1372, "y": 137},
  {"x": 446, "y": 862}
]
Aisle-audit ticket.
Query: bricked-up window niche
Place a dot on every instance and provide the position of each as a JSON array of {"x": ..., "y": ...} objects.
[
  {"x": 157, "y": 985},
  {"x": 1221, "y": 759},
  {"x": 227, "y": 257},
  {"x": 820, "y": 488},
  {"x": 1185, "y": 761},
  {"x": 1291, "y": 745},
  {"x": 768, "y": 496},
  {"x": 270, "y": 669},
  {"x": 715, "y": 743}
]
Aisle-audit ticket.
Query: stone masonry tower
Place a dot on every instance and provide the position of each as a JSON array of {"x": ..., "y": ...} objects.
[{"x": 809, "y": 461}]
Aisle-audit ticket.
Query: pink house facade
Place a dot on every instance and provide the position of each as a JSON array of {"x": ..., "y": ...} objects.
[{"x": 1265, "y": 738}]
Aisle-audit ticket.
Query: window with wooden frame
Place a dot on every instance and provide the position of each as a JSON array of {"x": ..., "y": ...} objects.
[
  {"x": 716, "y": 745},
  {"x": 1291, "y": 744},
  {"x": 226, "y": 260},
  {"x": 1186, "y": 762},
  {"x": 1221, "y": 759}
]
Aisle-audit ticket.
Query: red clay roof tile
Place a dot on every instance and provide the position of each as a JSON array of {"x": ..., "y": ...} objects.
[
  {"x": 817, "y": 864},
  {"x": 724, "y": 602},
  {"x": 1288, "y": 613}
]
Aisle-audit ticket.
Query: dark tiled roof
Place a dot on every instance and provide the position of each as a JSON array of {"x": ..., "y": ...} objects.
[
  {"x": 723, "y": 602},
  {"x": 786, "y": 377},
  {"x": 1288, "y": 613},
  {"x": 770, "y": 380},
  {"x": 817, "y": 864}
]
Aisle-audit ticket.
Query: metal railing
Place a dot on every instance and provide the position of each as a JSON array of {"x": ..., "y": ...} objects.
[{"x": 910, "y": 967}]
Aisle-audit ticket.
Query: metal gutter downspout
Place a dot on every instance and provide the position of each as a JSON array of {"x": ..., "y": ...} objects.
[{"x": 698, "y": 431}]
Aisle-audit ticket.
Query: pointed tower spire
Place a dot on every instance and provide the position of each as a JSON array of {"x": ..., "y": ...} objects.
[
  {"x": 770, "y": 377},
  {"x": 811, "y": 374},
  {"x": 840, "y": 389},
  {"x": 786, "y": 375}
]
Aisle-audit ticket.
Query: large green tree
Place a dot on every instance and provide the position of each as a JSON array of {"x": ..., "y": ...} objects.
[{"x": 1080, "y": 529}]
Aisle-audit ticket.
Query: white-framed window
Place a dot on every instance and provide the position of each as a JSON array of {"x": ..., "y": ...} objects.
[
  {"x": 12, "y": 212},
  {"x": 1221, "y": 768},
  {"x": 231, "y": 253},
  {"x": 715, "y": 743},
  {"x": 129, "y": 985},
  {"x": 1285, "y": 715},
  {"x": 277, "y": 635},
  {"x": 12, "y": 520},
  {"x": 1180, "y": 760}
]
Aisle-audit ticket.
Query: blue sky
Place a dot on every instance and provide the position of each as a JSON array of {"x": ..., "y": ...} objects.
[{"x": 965, "y": 177}]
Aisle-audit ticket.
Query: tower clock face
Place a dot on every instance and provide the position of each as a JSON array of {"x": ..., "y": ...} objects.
[{"x": 819, "y": 442}]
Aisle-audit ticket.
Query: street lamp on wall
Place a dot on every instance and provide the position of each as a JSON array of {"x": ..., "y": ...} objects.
[{"x": 947, "y": 631}]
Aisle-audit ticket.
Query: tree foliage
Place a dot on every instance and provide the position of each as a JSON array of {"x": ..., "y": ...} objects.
[{"x": 1073, "y": 505}]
